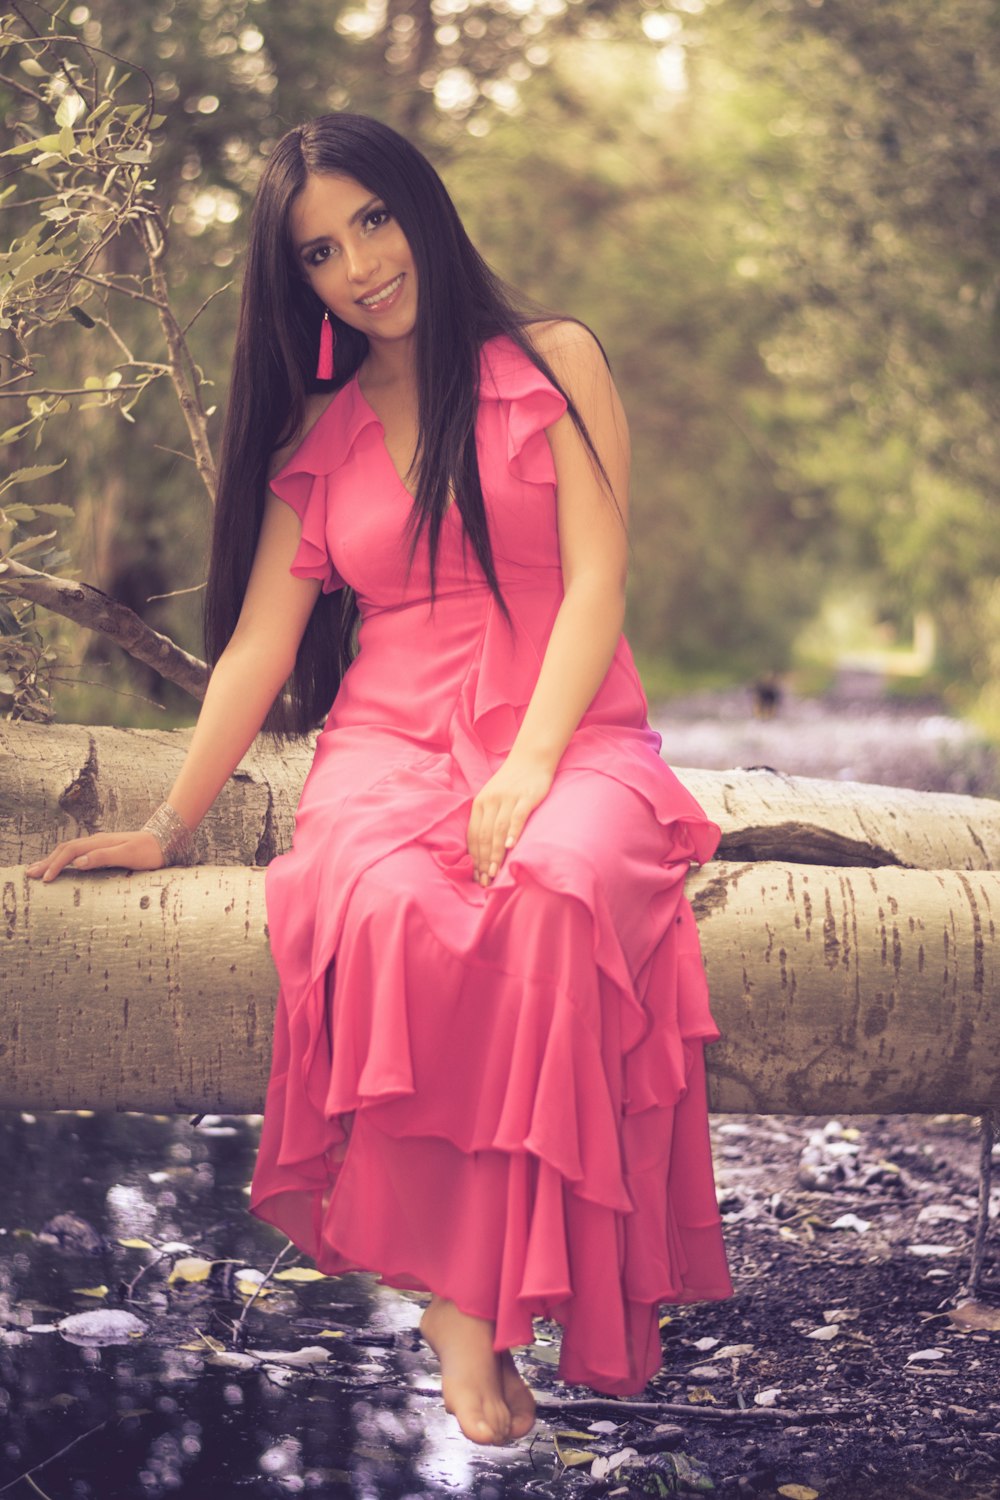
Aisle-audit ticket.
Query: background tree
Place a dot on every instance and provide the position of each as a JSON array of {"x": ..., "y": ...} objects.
[{"x": 778, "y": 218}]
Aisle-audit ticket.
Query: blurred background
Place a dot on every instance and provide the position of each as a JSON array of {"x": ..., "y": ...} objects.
[{"x": 780, "y": 218}]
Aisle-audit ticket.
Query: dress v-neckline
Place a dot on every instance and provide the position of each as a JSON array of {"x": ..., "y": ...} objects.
[{"x": 385, "y": 447}]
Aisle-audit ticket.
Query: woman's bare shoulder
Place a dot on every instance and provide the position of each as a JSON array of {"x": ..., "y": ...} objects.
[
  {"x": 316, "y": 405},
  {"x": 565, "y": 342},
  {"x": 575, "y": 357}
]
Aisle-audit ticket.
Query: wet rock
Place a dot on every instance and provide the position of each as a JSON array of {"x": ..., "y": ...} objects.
[
  {"x": 106, "y": 1325},
  {"x": 73, "y": 1234}
]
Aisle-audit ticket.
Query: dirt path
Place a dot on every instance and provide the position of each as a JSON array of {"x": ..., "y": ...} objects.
[{"x": 853, "y": 734}]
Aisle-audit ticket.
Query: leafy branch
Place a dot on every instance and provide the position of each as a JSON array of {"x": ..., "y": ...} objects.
[{"x": 78, "y": 187}]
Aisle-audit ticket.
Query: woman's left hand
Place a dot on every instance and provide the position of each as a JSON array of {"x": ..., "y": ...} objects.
[{"x": 500, "y": 810}]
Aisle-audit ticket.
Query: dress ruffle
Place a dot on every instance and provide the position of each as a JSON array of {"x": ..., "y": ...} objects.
[
  {"x": 529, "y": 405},
  {"x": 523, "y": 1062},
  {"x": 305, "y": 492}
]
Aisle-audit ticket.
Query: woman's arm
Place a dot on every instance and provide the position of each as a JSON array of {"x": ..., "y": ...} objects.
[
  {"x": 245, "y": 681},
  {"x": 593, "y": 548},
  {"x": 260, "y": 656}
]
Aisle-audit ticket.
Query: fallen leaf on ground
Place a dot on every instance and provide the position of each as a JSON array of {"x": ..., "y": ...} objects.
[
  {"x": 190, "y": 1268},
  {"x": 975, "y": 1315}
]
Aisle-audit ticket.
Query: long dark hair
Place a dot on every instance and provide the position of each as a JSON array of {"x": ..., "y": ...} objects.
[{"x": 461, "y": 303}]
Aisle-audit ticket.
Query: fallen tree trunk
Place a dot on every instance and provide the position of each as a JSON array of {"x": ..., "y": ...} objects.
[
  {"x": 58, "y": 781},
  {"x": 835, "y": 989},
  {"x": 851, "y": 983}
]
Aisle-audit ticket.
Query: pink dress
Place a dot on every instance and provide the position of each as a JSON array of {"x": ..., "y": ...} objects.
[{"x": 524, "y": 1060}]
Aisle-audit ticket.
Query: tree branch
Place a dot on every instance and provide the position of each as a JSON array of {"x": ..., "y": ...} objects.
[
  {"x": 182, "y": 368},
  {"x": 96, "y": 610}
]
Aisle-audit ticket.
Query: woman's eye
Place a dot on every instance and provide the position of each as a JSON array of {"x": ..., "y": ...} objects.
[
  {"x": 313, "y": 257},
  {"x": 378, "y": 213}
]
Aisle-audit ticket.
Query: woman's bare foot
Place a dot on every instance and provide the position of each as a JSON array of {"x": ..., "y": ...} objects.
[
  {"x": 471, "y": 1381},
  {"x": 517, "y": 1394}
]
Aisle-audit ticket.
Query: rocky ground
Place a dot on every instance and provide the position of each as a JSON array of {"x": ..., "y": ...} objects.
[{"x": 841, "y": 1368}]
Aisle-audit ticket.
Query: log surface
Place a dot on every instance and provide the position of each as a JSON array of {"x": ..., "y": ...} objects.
[
  {"x": 852, "y": 990},
  {"x": 58, "y": 781}
]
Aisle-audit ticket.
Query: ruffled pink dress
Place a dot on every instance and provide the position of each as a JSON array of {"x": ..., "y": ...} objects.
[{"x": 523, "y": 1061}]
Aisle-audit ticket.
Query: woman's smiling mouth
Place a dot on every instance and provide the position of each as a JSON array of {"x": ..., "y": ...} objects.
[{"x": 385, "y": 296}]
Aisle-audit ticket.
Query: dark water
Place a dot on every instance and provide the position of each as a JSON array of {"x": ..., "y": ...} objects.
[{"x": 166, "y": 1413}]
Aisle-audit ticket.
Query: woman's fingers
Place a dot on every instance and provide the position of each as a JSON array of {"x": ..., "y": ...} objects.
[
  {"x": 499, "y": 812},
  {"x": 95, "y": 851},
  {"x": 503, "y": 836},
  {"x": 50, "y": 864},
  {"x": 497, "y": 831}
]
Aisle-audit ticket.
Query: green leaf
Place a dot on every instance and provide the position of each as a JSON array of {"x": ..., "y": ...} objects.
[
  {"x": 29, "y": 542},
  {"x": 54, "y": 508},
  {"x": 25, "y": 476},
  {"x": 103, "y": 382},
  {"x": 43, "y": 143},
  {"x": 572, "y": 1458},
  {"x": 71, "y": 107},
  {"x": 34, "y": 266},
  {"x": 32, "y": 68}
]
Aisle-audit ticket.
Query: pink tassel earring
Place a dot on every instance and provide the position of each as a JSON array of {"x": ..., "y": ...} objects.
[{"x": 327, "y": 340}]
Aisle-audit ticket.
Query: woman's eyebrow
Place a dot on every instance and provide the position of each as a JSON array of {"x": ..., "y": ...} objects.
[{"x": 358, "y": 214}]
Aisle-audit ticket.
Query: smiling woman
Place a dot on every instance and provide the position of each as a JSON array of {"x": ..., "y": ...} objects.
[{"x": 487, "y": 1079}]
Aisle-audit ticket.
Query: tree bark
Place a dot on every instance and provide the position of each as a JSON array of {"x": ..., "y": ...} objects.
[
  {"x": 858, "y": 972},
  {"x": 834, "y": 989},
  {"x": 58, "y": 781}
]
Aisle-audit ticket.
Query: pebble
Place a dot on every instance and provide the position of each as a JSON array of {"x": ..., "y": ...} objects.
[{"x": 667, "y": 1433}]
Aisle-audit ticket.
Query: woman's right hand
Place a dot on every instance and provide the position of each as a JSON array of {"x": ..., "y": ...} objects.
[{"x": 96, "y": 851}]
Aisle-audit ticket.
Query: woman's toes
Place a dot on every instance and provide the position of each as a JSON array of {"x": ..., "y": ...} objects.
[
  {"x": 499, "y": 1419},
  {"x": 470, "y": 1377},
  {"x": 517, "y": 1395},
  {"x": 482, "y": 1422}
]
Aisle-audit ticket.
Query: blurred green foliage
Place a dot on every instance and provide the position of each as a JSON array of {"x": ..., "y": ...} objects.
[{"x": 780, "y": 219}]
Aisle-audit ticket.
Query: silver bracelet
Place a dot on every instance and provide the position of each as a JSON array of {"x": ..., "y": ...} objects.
[{"x": 175, "y": 838}]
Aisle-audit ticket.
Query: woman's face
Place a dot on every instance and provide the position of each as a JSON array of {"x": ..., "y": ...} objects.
[{"x": 349, "y": 247}]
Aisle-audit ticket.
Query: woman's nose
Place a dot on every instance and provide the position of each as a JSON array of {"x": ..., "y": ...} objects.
[{"x": 361, "y": 262}]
